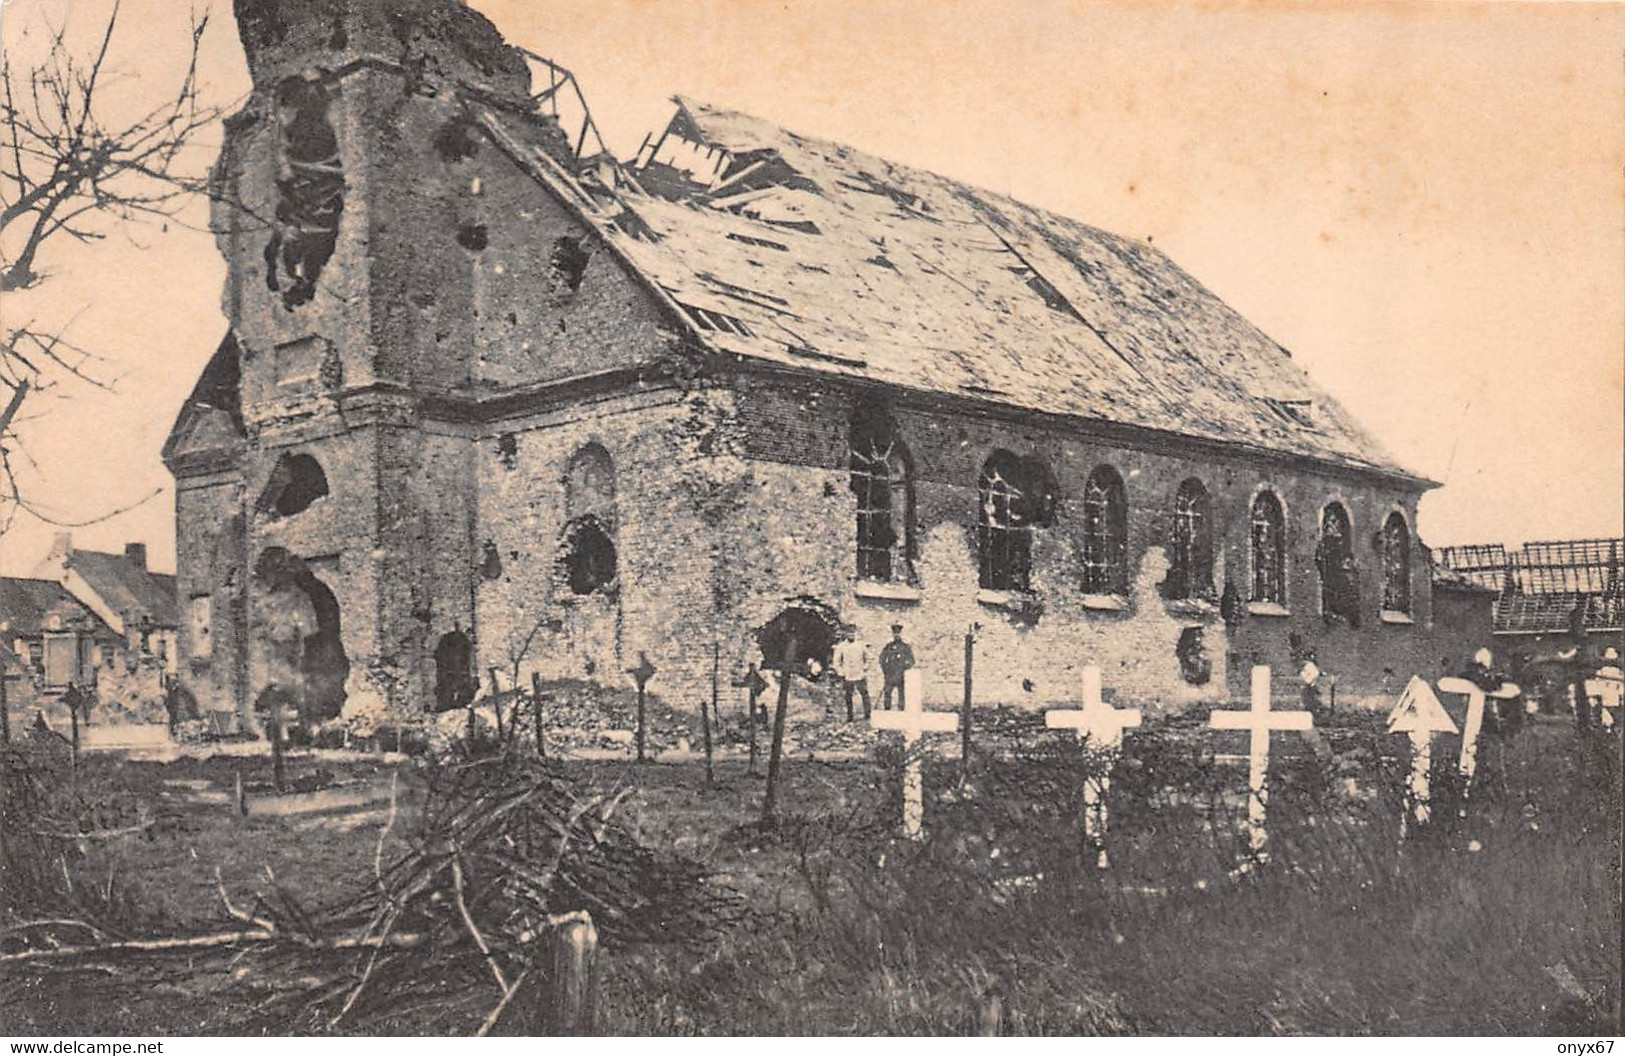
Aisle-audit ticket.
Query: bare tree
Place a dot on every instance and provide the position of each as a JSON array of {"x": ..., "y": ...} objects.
[{"x": 76, "y": 161}]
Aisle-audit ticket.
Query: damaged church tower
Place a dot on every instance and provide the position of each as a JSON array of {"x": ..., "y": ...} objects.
[
  {"x": 493, "y": 405},
  {"x": 391, "y": 268}
]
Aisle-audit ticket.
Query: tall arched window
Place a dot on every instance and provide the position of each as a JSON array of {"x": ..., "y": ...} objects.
[
  {"x": 882, "y": 482},
  {"x": 1269, "y": 549},
  {"x": 1105, "y": 533},
  {"x": 589, "y": 527},
  {"x": 1339, "y": 596},
  {"x": 1016, "y": 495},
  {"x": 1190, "y": 543},
  {"x": 1396, "y": 564}
]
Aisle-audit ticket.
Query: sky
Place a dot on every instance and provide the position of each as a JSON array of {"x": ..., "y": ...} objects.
[{"x": 1424, "y": 202}]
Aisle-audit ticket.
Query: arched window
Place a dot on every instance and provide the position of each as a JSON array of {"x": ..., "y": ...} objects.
[
  {"x": 590, "y": 559},
  {"x": 1016, "y": 495},
  {"x": 1339, "y": 596},
  {"x": 1190, "y": 544},
  {"x": 882, "y": 481},
  {"x": 1269, "y": 549},
  {"x": 1105, "y": 533},
  {"x": 1396, "y": 564}
]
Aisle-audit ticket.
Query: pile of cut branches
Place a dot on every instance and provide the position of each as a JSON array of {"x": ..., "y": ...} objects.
[{"x": 448, "y": 938}]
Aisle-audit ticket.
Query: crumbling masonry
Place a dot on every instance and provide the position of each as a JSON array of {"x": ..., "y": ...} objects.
[{"x": 492, "y": 400}]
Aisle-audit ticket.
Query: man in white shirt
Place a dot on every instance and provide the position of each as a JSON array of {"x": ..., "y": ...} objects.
[{"x": 851, "y": 664}]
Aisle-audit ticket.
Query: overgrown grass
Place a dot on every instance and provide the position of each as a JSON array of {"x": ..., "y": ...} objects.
[
  {"x": 998, "y": 920},
  {"x": 1506, "y": 922}
]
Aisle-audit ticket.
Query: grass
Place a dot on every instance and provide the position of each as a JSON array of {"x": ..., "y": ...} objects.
[{"x": 993, "y": 922}]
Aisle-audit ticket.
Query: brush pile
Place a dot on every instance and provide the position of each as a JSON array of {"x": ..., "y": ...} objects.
[{"x": 450, "y": 938}]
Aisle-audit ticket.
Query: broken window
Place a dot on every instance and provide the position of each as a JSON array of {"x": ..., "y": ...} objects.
[
  {"x": 1335, "y": 559},
  {"x": 883, "y": 484},
  {"x": 1396, "y": 564},
  {"x": 1190, "y": 544},
  {"x": 310, "y": 192},
  {"x": 589, "y": 530},
  {"x": 1016, "y": 496},
  {"x": 296, "y": 482},
  {"x": 1105, "y": 533},
  {"x": 1269, "y": 549},
  {"x": 589, "y": 555}
]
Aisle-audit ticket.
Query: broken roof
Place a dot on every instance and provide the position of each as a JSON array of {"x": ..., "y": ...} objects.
[
  {"x": 126, "y": 587},
  {"x": 808, "y": 254}
]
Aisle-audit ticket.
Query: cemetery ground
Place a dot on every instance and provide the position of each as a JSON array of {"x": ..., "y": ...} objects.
[{"x": 1506, "y": 921}]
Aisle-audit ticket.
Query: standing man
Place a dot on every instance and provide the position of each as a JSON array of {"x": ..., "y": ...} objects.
[
  {"x": 851, "y": 664},
  {"x": 895, "y": 658}
]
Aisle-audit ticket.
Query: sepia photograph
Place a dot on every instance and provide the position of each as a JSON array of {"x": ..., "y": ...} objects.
[{"x": 875, "y": 518}]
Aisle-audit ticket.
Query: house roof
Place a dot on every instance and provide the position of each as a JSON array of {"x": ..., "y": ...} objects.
[
  {"x": 1539, "y": 585},
  {"x": 798, "y": 252},
  {"x": 28, "y": 605},
  {"x": 126, "y": 587}
]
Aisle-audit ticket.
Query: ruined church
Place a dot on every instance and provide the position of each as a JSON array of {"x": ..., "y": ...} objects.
[{"x": 494, "y": 403}]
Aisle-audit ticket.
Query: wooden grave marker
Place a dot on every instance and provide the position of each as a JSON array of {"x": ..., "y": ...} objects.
[
  {"x": 1101, "y": 727},
  {"x": 1419, "y": 714},
  {"x": 913, "y": 721},
  {"x": 1260, "y": 722}
]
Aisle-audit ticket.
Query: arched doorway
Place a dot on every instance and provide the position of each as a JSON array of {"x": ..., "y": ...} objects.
[
  {"x": 453, "y": 672},
  {"x": 300, "y": 629}
]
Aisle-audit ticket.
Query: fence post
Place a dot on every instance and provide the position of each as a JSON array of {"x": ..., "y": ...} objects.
[
  {"x": 536, "y": 712},
  {"x": 570, "y": 990},
  {"x": 705, "y": 716}
]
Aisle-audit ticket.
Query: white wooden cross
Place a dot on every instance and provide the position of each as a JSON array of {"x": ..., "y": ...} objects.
[
  {"x": 1260, "y": 721},
  {"x": 1103, "y": 726},
  {"x": 1419, "y": 714},
  {"x": 1476, "y": 696},
  {"x": 912, "y": 722}
]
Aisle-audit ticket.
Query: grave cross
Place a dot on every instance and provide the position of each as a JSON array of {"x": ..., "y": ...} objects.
[
  {"x": 1102, "y": 726},
  {"x": 912, "y": 722},
  {"x": 1476, "y": 696},
  {"x": 1260, "y": 721},
  {"x": 642, "y": 674},
  {"x": 1419, "y": 713}
]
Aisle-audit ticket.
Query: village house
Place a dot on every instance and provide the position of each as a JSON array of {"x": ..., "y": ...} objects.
[
  {"x": 493, "y": 403},
  {"x": 99, "y": 622}
]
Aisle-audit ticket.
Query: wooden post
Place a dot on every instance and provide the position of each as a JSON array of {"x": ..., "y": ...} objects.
[
  {"x": 536, "y": 713},
  {"x": 5, "y": 704},
  {"x": 72, "y": 697},
  {"x": 570, "y": 987},
  {"x": 276, "y": 744},
  {"x": 496, "y": 700},
  {"x": 777, "y": 749},
  {"x": 964, "y": 721},
  {"x": 706, "y": 712}
]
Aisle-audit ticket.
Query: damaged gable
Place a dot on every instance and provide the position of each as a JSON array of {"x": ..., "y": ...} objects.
[{"x": 211, "y": 419}]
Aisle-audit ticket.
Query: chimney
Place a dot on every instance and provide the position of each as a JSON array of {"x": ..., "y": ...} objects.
[
  {"x": 61, "y": 546},
  {"x": 136, "y": 554}
]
